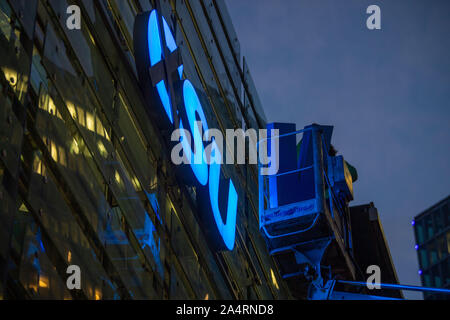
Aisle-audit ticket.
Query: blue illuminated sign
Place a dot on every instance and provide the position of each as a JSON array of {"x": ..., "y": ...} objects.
[{"x": 155, "y": 63}]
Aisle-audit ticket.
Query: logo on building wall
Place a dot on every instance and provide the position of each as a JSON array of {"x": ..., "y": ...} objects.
[{"x": 175, "y": 104}]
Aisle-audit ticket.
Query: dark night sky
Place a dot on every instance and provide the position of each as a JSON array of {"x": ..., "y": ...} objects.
[{"x": 387, "y": 92}]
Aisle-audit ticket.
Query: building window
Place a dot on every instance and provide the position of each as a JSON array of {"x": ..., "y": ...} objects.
[
  {"x": 420, "y": 234},
  {"x": 429, "y": 227},
  {"x": 423, "y": 258},
  {"x": 432, "y": 251}
]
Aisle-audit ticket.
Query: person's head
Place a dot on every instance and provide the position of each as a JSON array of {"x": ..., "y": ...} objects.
[{"x": 332, "y": 152}]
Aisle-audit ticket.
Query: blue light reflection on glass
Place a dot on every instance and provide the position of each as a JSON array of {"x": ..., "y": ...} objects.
[
  {"x": 227, "y": 230},
  {"x": 152, "y": 198},
  {"x": 146, "y": 239}
]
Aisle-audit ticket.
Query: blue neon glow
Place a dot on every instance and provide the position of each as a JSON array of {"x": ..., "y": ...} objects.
[
  {"x": 227, "y": 230},
  {"x": 194, "y": 111},
  {"x": 170, "y": 40},
  {"x": 416, "y": 247},
  {"x": 165, "y": 100},
  {"x": 156, "y": 54},
  {"x": 154, "y": 40},
  {"x": 413, "y": 222},
  {"x": 193, "y": 108},
  {"x": 420, "y": 272},
  {"x": 180, "y": 71}
]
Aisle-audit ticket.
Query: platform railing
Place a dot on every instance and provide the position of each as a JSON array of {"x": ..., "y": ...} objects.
[
  {"x": 333, "y": 204},
  {"x": 264, "y": 196}
]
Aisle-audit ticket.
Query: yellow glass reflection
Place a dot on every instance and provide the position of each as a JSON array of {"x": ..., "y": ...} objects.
[
  {"x": 136, "y": 184},
  {"x": 91, "y": 37},
  {"x": 118, "y": 178},
  {"x": 5, "y": 26},
  {"x": 62, "y": 156},
  {"x": 98, "y": 294},
  {"x": 74, "y": 149},
  {"x": 90, "y": 124},
  {"x": 80, "y": 114},
  {"x": 43, "y": 282},
  {"x": 23, "y": 208},
  {"x": 72, "y": 109},
  {"x": 102, "y": 149},
  {"x": 99, "y": 127},
  {"x": 32, "y": 287},
  {"x": 37, "y": 165},
  {"x": 87, "y": 120},
  {"x": 10, "y": 75},
  {"x": 47, "y": 104},
  {"x": 51, "y": 106},
  {"x": 106, "y": 135},
  {"x": 274, "y": 279},
  {"x": 57, "y": 152},
  {"x": 54, "y": 151}
]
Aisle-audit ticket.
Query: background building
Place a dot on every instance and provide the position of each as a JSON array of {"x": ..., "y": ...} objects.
[
  {"x": 86, "y": 176},
  {"x": 432, "y": 232}
]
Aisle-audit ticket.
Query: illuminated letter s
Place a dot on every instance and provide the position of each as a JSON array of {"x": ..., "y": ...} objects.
[{"x": 193, "y": 108}]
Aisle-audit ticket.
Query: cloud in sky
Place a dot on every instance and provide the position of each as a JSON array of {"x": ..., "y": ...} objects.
[{"x": 387, "y": 92}]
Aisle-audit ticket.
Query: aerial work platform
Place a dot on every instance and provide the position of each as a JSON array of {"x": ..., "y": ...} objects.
[
  {"x": 305, "y": 219},
  {"x": 302, "y": 207}
]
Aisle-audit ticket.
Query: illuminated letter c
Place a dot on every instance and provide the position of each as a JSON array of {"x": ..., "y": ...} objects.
[{"x": 227, "y": 230}]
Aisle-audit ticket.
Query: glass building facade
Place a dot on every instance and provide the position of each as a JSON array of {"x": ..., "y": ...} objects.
[
  {"x": 432, "y": 233},
  {"x": 86, "y": 176}
]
